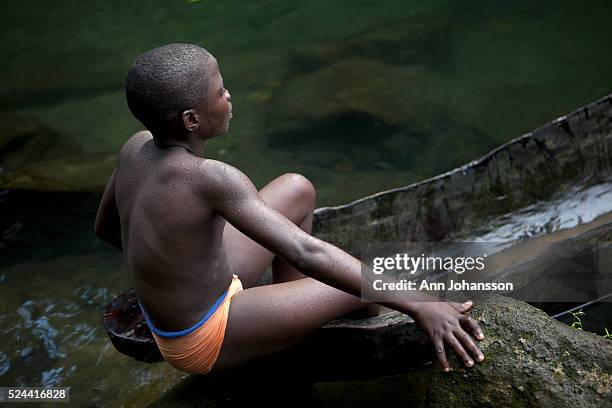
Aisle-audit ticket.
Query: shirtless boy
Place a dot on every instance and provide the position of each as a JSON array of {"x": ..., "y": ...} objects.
[{"x": 196, "y": 234}]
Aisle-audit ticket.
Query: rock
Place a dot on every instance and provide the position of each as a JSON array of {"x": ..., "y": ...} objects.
[
  {"x": 34, "y": 156},
  {"x": 71, "y": 173},
  {"x": 24, "y": 140},
  {"x": 346, "y": 108},
  {"x": 531, "y": 360},
  {"x": 354, "y": 84}
]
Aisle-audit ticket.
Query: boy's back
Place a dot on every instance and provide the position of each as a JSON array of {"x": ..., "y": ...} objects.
[{"x": 172, "y": 241}]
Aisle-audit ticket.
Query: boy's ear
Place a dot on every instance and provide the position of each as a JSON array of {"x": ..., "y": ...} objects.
[{"x": 191, "y": 120}]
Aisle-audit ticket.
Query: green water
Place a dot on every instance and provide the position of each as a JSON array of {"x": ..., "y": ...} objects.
[
  {"x": 478, "y": 74},
  {"x": 358, "y": 96}
]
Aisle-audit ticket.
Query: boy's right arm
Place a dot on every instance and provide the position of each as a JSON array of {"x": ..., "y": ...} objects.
[{"x": 232, "y": 195}]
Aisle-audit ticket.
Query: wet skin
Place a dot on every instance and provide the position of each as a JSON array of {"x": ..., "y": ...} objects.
[{"x": 186, "y": 224}]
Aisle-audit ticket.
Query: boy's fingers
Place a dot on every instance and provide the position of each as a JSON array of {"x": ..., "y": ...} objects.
[
  {"x": 464, "y": 307},
  {"x": 452, "y": 341},
  {"x": 467, "y": 306},
  {"x": 469, "y": 344},
  {"x": 441, "y": 355},
  {"x": 472, "y": 325}
]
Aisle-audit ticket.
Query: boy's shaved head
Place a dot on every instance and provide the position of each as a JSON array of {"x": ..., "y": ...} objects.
[{"x": 164, "y": 82}]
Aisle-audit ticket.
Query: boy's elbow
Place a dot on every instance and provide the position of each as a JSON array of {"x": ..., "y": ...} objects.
[
  {"x": 99, "y": 230},
  {"x": 101, "y": 233},
  {"x": 311, "y": 255},
  {"x": 98, "y": 224},
  {"x": 103, "y": 228},
  {"x": 110, "y": 239}
]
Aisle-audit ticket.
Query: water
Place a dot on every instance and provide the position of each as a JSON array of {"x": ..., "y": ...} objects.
[
  {"x": 582, "y": 204},
  {"x": 427, "y": 86},
  {"x": 472, "y": 76}
]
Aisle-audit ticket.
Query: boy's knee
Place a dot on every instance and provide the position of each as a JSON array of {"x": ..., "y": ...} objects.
[{"x": 302, "y": 186}]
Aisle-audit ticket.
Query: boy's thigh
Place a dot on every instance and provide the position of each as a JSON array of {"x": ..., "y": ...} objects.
[
  {"x": 249, "y": 259},
  {"x": 267, "y": 319}
]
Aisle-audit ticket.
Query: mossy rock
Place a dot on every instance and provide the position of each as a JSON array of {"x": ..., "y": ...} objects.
[{"x": 531, "y": 360}]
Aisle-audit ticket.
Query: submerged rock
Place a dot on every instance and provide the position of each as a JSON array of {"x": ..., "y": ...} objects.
[
  {"x": 531, "y": 360},
  {"x": 342, "y": 110},
  {"x": 353, "y": 85},
  {"x": 24, "y": 140},
  {"x": 72, "y": 173},
  {"x": 34, "y": 156}
]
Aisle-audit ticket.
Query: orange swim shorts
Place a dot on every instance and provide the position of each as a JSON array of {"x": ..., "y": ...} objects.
[{"x": 196, "y": 349}]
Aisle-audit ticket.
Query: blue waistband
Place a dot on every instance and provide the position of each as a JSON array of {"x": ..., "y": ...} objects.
[{"x": 185, "y": 332}]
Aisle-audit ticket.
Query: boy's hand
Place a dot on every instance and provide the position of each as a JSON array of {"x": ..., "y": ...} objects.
[{"x": 450, "y": 323}]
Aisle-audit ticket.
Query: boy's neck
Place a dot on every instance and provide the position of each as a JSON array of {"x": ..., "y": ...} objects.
[{"x": 193, "y": 144}]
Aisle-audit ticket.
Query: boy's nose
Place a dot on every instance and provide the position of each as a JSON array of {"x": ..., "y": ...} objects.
[{"x": 229, "y": 96}]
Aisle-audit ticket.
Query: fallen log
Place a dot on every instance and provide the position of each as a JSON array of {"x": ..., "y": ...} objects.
[{"x": 531, "y": 360}]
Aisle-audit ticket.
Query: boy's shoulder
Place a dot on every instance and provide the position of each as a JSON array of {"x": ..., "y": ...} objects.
[
  {"x": 218, "y": 171},
  {"x": 137, "y": 139},
  {"x": 223, "y": 179},
  {"x": 212, "y": 175}
]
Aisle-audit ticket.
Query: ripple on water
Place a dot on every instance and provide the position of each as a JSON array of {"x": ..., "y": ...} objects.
[
  {"x": 5, "y": 363},
  {"x": 54, "y": 377},
  {"x": 40, "y": 328},
  {"x": 82, "y": 334},
  {"x": 582, "y": 204},
  {"x": 48, "y": 339},
  {"x": 97, "y": 296}
]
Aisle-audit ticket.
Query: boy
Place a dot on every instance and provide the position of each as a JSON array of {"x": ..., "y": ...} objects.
[{"x": 196, "y": 235}]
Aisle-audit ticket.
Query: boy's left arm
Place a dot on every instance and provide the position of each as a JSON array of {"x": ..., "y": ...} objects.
[{"x": 108, "y": 225}]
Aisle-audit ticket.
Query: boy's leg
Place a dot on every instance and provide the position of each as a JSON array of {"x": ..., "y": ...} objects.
[
  {"x": 266, "y": 319},
  {"x": 283, "y": 271},
  {"x": 293, "y": 196}
]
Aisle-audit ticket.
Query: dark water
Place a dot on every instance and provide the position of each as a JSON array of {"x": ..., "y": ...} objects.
[{"x": 358, "y": 96}]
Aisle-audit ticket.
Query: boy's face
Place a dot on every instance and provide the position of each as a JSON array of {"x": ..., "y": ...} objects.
[{"x": 218, "y": 113}]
